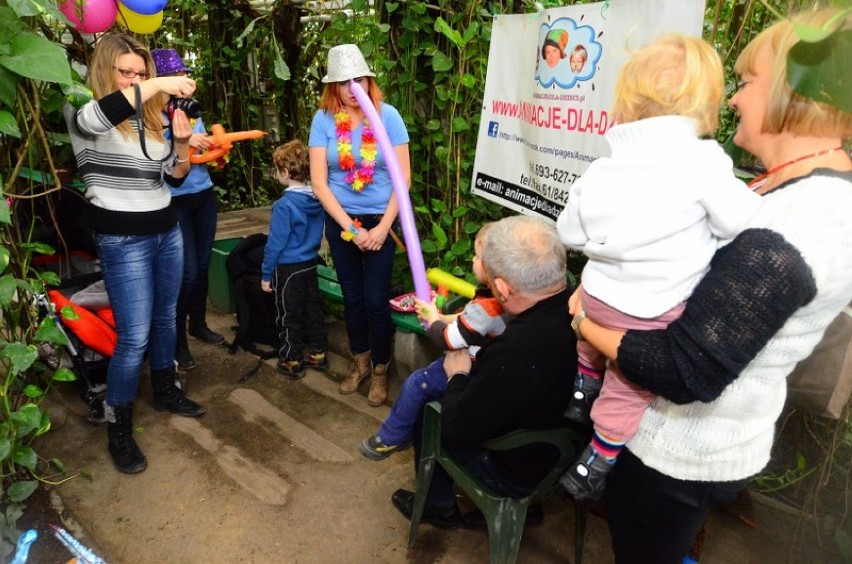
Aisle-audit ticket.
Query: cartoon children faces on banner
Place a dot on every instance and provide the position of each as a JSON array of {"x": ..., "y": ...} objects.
[{"x": 568, "y": 53}]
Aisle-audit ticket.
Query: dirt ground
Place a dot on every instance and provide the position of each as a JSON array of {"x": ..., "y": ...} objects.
[{"x": 271, "y": 473}]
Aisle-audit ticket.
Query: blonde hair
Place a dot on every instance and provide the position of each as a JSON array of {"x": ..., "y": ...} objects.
[
  {"x": 674, "y": 75},
  {"x": 330, "y": 100},
  {"x": 293, "y": 156},
  {"x": 101, "y": 80},
  {"x": 787, "y": 110}
]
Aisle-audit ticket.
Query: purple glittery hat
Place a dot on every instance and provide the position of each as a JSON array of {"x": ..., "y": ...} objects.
[{"x": 168, "y": 61}]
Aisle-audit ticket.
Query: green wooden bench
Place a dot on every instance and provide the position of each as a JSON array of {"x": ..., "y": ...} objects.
[{"x": 330, "y": 288}]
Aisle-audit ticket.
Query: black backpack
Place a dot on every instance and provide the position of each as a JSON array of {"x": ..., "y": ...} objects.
[{"x": 255, "y": 308}]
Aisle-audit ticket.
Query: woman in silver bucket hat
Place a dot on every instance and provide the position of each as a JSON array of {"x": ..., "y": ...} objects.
[{"x": 350, "y": 177}]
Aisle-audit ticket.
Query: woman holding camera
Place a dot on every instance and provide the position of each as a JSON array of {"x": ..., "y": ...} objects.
[
  {"x": 194, "y": 203},
  {"x": 125, "y": 161}
]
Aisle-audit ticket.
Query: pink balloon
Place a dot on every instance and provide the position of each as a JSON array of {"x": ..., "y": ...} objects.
[
  {"x": 400, "y": 189},
  {"x": 98, "y": 15}
]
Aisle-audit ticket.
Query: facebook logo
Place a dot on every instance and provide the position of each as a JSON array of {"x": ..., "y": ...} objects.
[{"x": 493, "y": 128}]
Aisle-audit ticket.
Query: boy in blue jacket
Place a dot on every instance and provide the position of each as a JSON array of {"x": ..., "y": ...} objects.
[{"x": 290, "y": 264}]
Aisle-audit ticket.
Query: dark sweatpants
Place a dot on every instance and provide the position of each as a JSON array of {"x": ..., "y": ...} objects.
[{"x": 299, "y": 313}]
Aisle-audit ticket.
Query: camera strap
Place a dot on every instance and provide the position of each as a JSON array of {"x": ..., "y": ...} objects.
[{"x": 140, "y": 124}]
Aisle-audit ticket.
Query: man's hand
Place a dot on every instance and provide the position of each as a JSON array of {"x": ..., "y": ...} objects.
[
  {"x": 457, "y": 361},
  {"x": 266, "y": 286}
]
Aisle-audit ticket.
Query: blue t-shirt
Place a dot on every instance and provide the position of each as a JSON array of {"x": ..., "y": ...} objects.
[
  {"x": 198, "y": 178},
  {"x": 374, "y": 198}
]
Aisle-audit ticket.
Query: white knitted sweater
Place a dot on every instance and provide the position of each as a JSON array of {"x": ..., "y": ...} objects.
[{"x": 730, "y": 438}]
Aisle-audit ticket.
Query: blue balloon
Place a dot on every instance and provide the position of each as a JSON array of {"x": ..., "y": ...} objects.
[{"x": 145, "y": 7}]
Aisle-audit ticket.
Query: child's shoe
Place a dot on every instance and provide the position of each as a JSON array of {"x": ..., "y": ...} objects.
[
  {"x": 586, "y": 479},
  {"x": 586, "y": 391},
  {"x": 374, "y": 448},
  {"x": 291, "y": 368},
  {"x": 315, "y": 358}
]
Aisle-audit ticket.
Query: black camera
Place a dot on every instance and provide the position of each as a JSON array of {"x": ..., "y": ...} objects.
[{"x": 192, "y": 108}]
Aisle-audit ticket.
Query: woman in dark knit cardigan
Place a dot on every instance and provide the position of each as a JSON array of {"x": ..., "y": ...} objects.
[{"x": 721, "y": 368}]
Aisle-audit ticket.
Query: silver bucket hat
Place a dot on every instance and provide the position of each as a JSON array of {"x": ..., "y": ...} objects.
[{"x": 346, "y": 62}]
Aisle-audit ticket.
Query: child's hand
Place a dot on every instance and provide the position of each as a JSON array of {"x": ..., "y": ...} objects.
[
  {"x": 426, "y": 311},
  {"x": 266, "y": 286}
]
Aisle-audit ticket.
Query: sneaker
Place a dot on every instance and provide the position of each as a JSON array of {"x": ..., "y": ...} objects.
[
  {"x": 314, "y": 358},
  {"x": 586, "y": 479},
  {"x": 292, "y": 369},
  {"x": 586, "y": 391},
  {"x": 205, "y": 335},
  {"x": 374, "y": 448}
]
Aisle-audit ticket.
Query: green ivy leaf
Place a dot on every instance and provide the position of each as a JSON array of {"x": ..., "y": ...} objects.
[
  {"x": 50, "y": 278},
  {"x": 32, "y": 391},
  {"x": 34, "y": 56},
  {"x": 20, "y": 355},
  {"x": 21, "y": 490},
  {"x": 440, "y": 235},
  {"x": 58, "y": 464},
  {"x": 438, "y": 205},
  {"x": 48, "y": 332},
  {"x": 820, "y": 70},
  {"x": 8, "y": 125},
  {"x": 69, "y": 314},
  {"x": 461, "y": 247},
  {"x": 441, "y": 62},
  {"x": 37, "y": 247},
  {"x": 459, "y": 211},
  {"x": 8, "y": 92},
  {"x": 4, "y": 255},
  {"x": 7, "y": 290},
  {"x": 76, "y": 93},
  {"x": 64, "y": 375},
  {"x": 450, "y": 33},
  {"x": 27, "y": 418},
  {"x": 427, "y": 246},
  {"x": 5, "y": 449},
  {"x": 460, "y": 124}
]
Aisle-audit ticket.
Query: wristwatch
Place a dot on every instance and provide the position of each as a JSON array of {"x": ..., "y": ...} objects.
[{"x": 575, "y": 323}]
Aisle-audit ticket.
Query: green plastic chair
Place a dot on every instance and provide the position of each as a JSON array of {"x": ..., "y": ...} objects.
[{"x": 505, "y": 516}]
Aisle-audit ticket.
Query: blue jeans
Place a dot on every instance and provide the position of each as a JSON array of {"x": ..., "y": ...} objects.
[
  {"x": 365, "y": 279},
  {"x": 196, "y": 214},
  {"x": 142, "y": 275},
  {"x": 478, "y": 461},
  {"x": 423, "y": 386}
]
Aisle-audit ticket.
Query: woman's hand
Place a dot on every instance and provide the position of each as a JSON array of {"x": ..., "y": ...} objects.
[
  {"x": 181, "y": 130},
  {"x": 457, "y": 361},
  {"x": 377, "y": 235},
  {"x": 199, "y": 141},
  {"x": 177, "y": 86},
  {"x": 575, "y": 302}
]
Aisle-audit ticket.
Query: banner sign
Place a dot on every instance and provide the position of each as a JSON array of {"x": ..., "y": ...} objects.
[{"x": 548, "y": 93}]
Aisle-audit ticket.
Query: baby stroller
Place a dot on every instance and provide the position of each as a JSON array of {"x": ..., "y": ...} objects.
[{"x": 80, "y": 309}]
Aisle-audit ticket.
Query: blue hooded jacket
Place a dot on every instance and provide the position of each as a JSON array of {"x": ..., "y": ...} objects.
[{"x": 295, "y": 231}]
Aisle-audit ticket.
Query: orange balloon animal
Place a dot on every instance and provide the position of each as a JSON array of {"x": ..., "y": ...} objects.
[{"x": 222, "y": 141}]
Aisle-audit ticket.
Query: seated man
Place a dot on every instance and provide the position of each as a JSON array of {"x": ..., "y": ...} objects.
[{"x": 521, "y": 379}]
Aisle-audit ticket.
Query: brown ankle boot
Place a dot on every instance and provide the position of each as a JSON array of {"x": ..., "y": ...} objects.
[
  {"x": 378, "y": 385},
  {"x": 360, "y": 370}
]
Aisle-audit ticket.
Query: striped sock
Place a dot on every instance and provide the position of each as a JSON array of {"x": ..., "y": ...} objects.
[
  {"x": 593, "y": 373},
  {"x": 606, "y": 447}
]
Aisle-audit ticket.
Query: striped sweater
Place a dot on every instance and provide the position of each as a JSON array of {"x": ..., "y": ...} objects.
[{"x": 126, "y": 190}]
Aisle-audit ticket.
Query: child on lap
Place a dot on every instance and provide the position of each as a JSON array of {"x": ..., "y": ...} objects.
[
  {"x": 650, "y": 218},
  {"x": 481, "y": 319}
]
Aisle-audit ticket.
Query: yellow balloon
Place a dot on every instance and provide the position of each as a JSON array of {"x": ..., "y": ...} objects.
[
  {"x": 138, "y": 23},
  {"x": 457, "y": 285}
]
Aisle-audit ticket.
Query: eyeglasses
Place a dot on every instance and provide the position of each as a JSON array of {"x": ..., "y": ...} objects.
[{"x": 129, "y": 73}]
